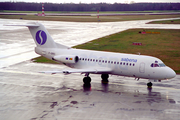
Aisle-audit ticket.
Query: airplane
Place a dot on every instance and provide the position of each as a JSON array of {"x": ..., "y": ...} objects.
[{"x": 97, "y": 62}]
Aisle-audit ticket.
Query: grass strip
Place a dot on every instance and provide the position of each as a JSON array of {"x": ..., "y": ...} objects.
[
  {"x": 166, "y": 22},
  {"x": 42, "y": 59},
  {"x": 88, "y": 18},
  {"x": 102, "y": 12}
]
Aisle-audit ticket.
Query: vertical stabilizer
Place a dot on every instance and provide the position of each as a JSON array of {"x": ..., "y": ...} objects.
[{"x": 41, "y": 36}]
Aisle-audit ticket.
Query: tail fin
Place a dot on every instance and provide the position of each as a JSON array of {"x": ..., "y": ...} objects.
[{"x": 41, "y": 36}]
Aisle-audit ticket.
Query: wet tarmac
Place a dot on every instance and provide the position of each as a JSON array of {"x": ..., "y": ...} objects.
[{"x": 27, "y": 94}]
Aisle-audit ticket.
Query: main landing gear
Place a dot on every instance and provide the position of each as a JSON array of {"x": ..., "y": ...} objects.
[
  {"x": 105, "y": 78},
  {"x": 87, "y": 83},
  {"x": 149, "y": 85},
  {"x": 87, "y": 79}
]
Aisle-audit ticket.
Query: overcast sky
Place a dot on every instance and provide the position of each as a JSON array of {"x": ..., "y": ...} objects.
[{"x": 92, "y": 1}]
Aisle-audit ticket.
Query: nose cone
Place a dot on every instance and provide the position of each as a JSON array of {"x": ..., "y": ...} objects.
[{"x": 170, "y": 73}]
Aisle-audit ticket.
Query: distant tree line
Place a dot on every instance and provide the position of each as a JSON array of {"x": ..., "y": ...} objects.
[{"x": 23, "y": 6}]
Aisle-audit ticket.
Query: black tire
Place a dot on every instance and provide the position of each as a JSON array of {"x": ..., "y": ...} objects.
[
  {"x": 87, "y": 80},
  {"x": 105, "y": 76},
  {"x": 149, "y": 84}
]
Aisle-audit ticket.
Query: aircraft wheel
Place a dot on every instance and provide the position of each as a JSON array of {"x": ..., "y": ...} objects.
[
  {"x": 149, "y": 85},
  {"x": 87, "y": 80},
  {"x": 105, "y": 77}
]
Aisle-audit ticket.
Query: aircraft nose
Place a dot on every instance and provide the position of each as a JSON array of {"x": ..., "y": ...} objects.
[{"x": 170, "y": 73}]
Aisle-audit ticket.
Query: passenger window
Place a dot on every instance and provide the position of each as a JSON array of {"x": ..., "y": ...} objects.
[
  {"x": 114, "y": 62},
  {"x": 127, "y": 64},
  {"x": 123, "y": 63},
  {"x": 117, "y": 62},
  {"x": 83, "y": 59},
  {"x": 111, "y": 62},
  {"x": 105, "y": 61},
  {"x": 130, "y": 64},
  {"x": 133, "y": 64}
]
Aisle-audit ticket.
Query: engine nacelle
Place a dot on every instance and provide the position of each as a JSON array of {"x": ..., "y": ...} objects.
[{"x": 66, "y": 58}]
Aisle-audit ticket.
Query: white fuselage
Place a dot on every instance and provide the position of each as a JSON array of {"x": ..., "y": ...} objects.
[
  {"x": 97, "y": 62},
  {"x": 138, "y": 66}
]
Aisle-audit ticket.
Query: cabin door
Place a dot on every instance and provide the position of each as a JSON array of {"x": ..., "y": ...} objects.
[{"x": 142, "y": 68}]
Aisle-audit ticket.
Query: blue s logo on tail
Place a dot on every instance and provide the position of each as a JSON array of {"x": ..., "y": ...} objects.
[{"x": 41, "y": 37}]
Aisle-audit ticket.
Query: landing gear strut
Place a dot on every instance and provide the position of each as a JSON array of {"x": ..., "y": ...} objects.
[
  {"x": 105, "y": 78},
  {"x": 149, "y": 85}
]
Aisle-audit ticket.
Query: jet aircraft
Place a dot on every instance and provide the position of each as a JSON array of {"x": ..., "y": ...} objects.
[{"x": 97, "y": 62}]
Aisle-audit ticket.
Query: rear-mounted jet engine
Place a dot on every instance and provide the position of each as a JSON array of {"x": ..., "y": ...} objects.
[{"x": 68, "y": 59}]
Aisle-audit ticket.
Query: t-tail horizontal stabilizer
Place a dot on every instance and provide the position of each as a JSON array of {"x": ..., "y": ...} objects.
[
  {"x": 40, "y": 35},
  {"x": 31, "y": 24}
]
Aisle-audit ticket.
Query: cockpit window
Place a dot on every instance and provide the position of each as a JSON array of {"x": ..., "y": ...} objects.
[
  {"x": 162, "y": 65},
  {"x": 154, "y": 65},
  {"x": 158, "y": 65}
]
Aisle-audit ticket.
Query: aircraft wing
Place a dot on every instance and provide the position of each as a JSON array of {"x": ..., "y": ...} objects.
[{"x": 88, "y": 70}]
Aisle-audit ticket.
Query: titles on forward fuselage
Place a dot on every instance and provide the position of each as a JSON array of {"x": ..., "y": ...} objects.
[{"x": 128, "y": 60}]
